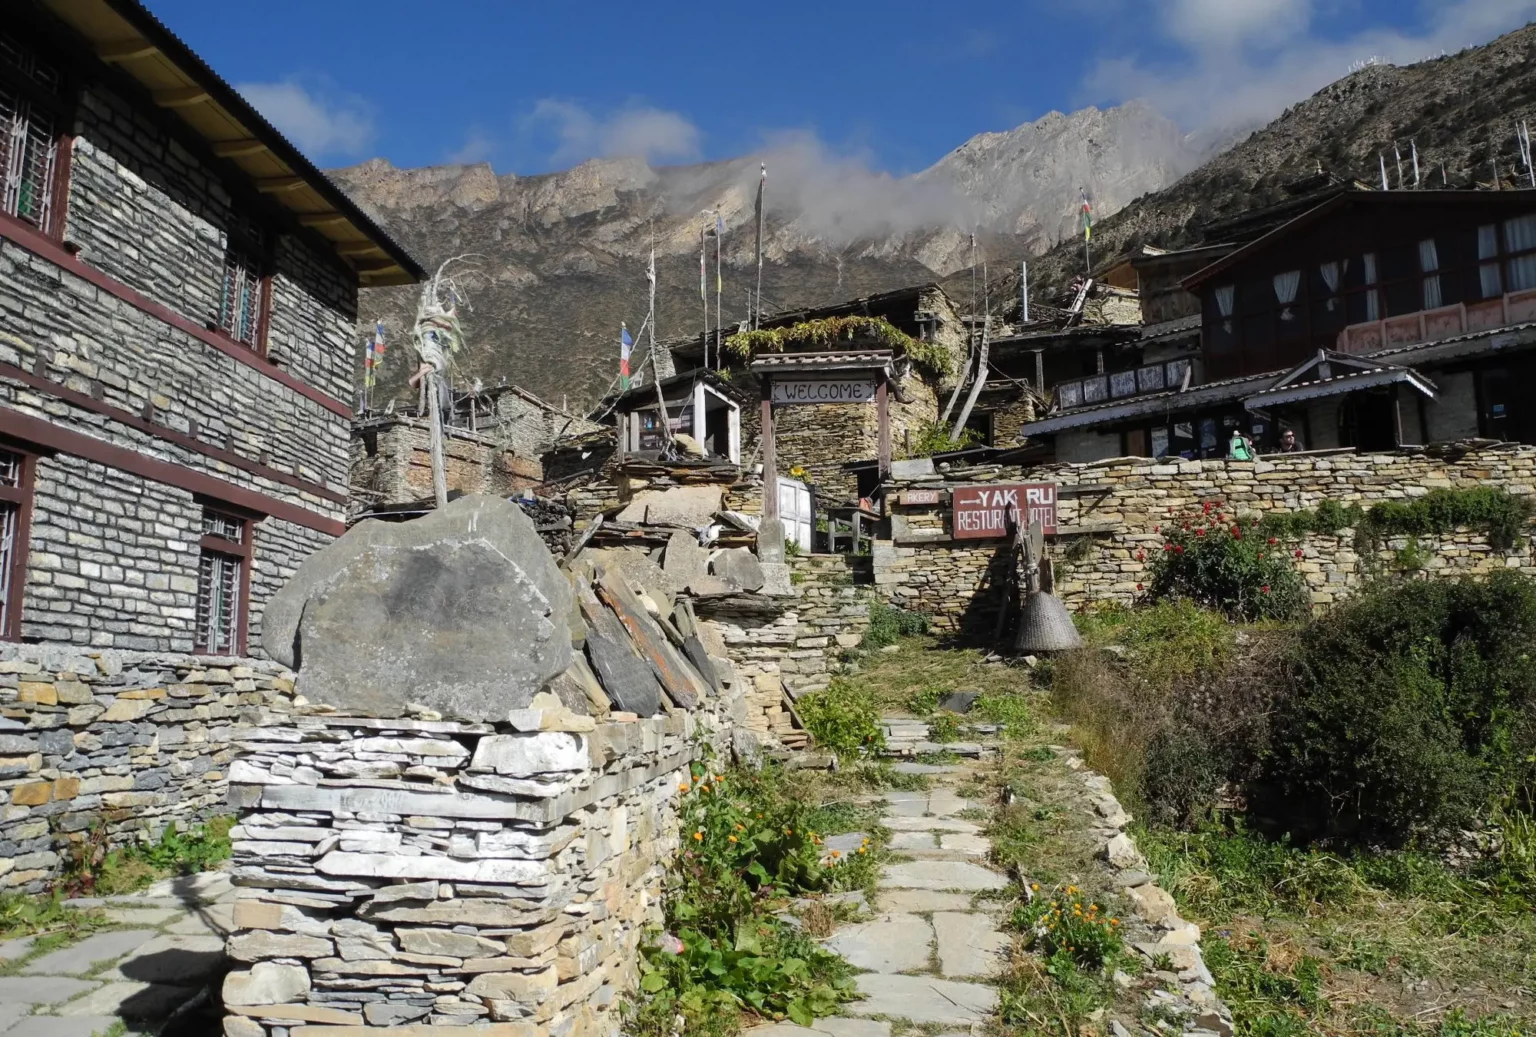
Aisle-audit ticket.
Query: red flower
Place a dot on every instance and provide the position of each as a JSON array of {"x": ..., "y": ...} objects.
[
  {"x": 1237, "y": 531},
  {"x": 1157, "y": 529},
  {"x": 1265, "y": 588},
  {"x": 1272, "y": 540},
  {"x": 1141, "y": 556},
  {"x": 1200, "y": 532},
  {"x": 1178, "y": 548},
  {"x": 1220, "y": 517},
  {"x": 1167, "y": 547},
  {"x": 1206, "y": 508},
  {"x": 1186, "y": 525},
  {"x": 1138, "y": 586},
  {"x": 1298, "y": 552},
  {"x": 1219, "y": 504}
]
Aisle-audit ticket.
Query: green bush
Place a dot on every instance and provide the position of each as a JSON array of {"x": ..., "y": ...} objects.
[
  {"x": 1066, "y": 920},
  {"x": 1500, "y": 514},
  {"x": 889, "y": 624},
  {"x": 1211, "y": 557},
  {"x": 845, "y": 717},
  {"x": 746, "y": 847},
  {"x": 1413, "y": 710}
]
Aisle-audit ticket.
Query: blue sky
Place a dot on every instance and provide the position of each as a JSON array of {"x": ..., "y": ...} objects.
[{"x": 892, "y": 84}]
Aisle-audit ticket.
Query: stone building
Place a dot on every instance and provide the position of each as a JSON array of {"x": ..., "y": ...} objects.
[
  {"x": 827, "y": 442},
  {"x": 1367, "y": 319},
  {"x": 494, "y": 443},
  {"x": 178, "y": 303}
]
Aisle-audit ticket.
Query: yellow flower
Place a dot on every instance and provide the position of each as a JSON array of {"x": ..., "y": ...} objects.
[
  {"x": 732, "y": 838},
  {"x": 683, "y": 787},
  {"x": 698, "y": 837},
  {"x": 861, "y": 849}
]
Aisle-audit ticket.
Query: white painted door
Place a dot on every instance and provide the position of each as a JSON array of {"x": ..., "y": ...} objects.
[{"x": 795, "y": 512}]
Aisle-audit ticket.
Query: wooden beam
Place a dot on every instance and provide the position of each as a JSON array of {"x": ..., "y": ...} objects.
[
  {"x": 182, "y": 97},
  {"x": 321, "y": 219},
  {"x": 279, "y": 184},
  {"x": 238, "y": 148},
  {"x": 356, "y": 248},
  {"x": 883, "y": 416},
  {"x": 125, "y": 50},
  {"x": 770, "y": 459},
  {"x": 373, "y": 266}
]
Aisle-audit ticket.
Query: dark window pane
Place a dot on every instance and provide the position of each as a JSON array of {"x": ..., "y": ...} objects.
[
  {"x": 1404, "y": 297},
  {"x": 1398, "y": 261}
]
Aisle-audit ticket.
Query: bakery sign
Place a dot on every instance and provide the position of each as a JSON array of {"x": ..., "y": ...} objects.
[
  {"x": 989, "y": 511},
  {"x": 859, "y": 389}
]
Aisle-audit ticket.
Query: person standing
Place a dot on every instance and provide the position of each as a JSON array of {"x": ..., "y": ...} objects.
[{"x": 1240, "y": 448}]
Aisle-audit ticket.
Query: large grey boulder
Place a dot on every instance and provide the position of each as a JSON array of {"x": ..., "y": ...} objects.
[
  {"x": 685, "y": 560},
  {"x": 690, "y": 506},
  {"x": 462, "y": 611},
  {"x": 738, "y": 567}
]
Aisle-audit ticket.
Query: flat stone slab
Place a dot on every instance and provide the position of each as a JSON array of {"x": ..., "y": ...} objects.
[
  {"x": 171, "y": 959},
  {"x": 63, "y": 1026},
  {"x": 913, "y": 841},
  {"x": 129, "y": 1000},
  {"x": 41, "y": 990},
  {"x": 10, "y": 950},
  {"x": 943, "y": 802},
  {"x": 970, "y": 845},
  {"x": 907, "y": 804},
  {"x": 968, "y": 945},
  {"x": 204, "y": 887},
  {"x": 848, "y": 842},
  {"x": 924, "y": 999},
  {"x": 142, "y": 915},
  {"x": 80, "y": 957},
  {"x": 930, "y": 824},
  {"x": 891, "y": 943},
  {"x": 922, "y": 901},
  {"x": 955, "y": 875},
  {"x": 835, "y": 1026}
]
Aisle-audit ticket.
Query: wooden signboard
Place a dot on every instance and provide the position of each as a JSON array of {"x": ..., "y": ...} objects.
[
  {"x": 984, "y": 511},
  {"x": 857, "y": 389},
  {"x": 919, "y": 497}
]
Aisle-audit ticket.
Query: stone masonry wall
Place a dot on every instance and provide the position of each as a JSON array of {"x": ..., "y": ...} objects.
[
  {"x": 113, "y": 559},
  {"x": 1118, "y": 503},
  {"x": 392, "y": 463},
  {"x": 507, "y": 887},
  {"x": 125, "y": 740}
]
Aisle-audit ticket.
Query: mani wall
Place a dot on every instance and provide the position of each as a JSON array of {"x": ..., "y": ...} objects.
[{"x": 1115, "y": 506}]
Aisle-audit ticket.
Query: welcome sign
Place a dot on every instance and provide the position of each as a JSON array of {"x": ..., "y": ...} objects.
[
  {"x": 824, "y": 390},
  {"x": 984, "y": 511}
]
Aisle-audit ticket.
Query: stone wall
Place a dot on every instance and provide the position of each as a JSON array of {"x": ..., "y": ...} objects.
[
  {"x": 1117, "y": 504},
  {"x": 392, "y": 462},
  {"x": 510, "y": 891},
  {"x": 125, "y": 740}
]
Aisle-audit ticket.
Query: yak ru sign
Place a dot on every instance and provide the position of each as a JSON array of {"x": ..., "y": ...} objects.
[
  {"x": 824, "y": 390},
  {"x": 984, "y": 511}
]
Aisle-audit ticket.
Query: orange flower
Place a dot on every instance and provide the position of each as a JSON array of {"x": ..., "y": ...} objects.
[
  {"x": 703, "y": 788},
  {"x": 719, "y": 777},
  {"x": 741, "y": 828},
  {"x": 1114, "y": 921},
  {"x": 683, "y": 787},
  {"x": 698, "y": 837},
  {"x": 836, "y": 853}
]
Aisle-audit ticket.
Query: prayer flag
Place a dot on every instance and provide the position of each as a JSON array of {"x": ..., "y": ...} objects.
[
  {"x": 626, "y": 346},
  {"x": 1087, "y": 218}
]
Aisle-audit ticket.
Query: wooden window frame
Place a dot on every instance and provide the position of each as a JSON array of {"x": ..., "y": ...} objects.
[
  {"x": 247, "y": 243},
  {"x": 23, "y": 496},
  {"x": 245, "y": 551},
  {"x": 60, "y": 107}
]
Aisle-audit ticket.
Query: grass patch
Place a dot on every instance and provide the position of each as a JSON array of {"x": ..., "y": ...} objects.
[
  {"x": 22, "y": 914},
  {"x": 95, "y": 870}
]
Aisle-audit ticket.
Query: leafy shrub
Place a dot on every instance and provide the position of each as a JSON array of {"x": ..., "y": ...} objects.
[
  {"x": 746, "y": 846},
  {"x": 1065, "y": 920},
  {"x": 845, "y": 717},
  {"x": 889, "y": 624},
  {"x": 1217, "y": 560},
  {"x": 1010, "y": 711},
  {"x": 933, "y": 438},
  {"x": 1501, "y": 514},
  {"x": 944, "y": 727},
  {"x": 1414, "y": 708}
]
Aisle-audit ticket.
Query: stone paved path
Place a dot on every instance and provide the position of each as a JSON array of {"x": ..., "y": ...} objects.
[
  {"x": 929, "y": 946},
  {"x": 171, "y": 942}
]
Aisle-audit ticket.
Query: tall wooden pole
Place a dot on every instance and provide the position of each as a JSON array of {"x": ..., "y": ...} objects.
[
  {"x": 770, "y": 460},
  {"x": 883, "y": 416}
]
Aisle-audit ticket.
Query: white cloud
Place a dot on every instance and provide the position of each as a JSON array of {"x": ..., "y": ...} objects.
[
  {"x": 321, "y": 126},
  {"x": 477, "y": 147},
  {"x": 634, "y": 131},
  {"x": 1246, "y": 60}
]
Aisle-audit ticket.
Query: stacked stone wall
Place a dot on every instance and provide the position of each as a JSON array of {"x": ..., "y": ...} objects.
[
  {"x": 1118, "y": 504},
  {"x": 506, "y": 887},
  {"x": 114, "y": 746},
  {"x": 392, "y": 463}
]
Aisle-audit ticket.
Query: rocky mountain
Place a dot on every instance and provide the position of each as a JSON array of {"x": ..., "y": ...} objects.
[
  {"x": 561, "y": 257},
  {"x": 1459, "y": 110}
]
